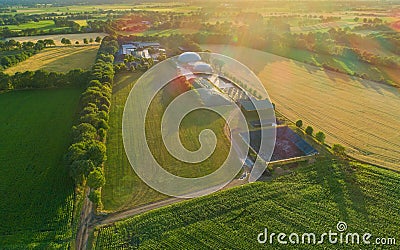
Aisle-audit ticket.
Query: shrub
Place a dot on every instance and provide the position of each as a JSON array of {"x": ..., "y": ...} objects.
[
  {"x": 338, "y": 149},
  {"x": 309, "y": 130},
  {"x": 96, "y": 179},
  {"x": 95, "y": 197},
  {"x": 299, "y": 123},
  {"x": 320, "y": 136}
]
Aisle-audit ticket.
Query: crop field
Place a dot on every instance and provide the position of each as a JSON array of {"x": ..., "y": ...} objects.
[
  {"x": 61, "y": 59},
  {"x": 323, "y": 27},
  {"x": 57, "y": 38},
  {"x": 312, "y": 199},
  {"x": 35, "y": 191},
  {"x": 123, "y": 188},
  {"x": 360, "y": 114},
  {"x": 40, "y": 25},
  {"x": 81, "y": 22},
  {"x": 347, "y": 63}
]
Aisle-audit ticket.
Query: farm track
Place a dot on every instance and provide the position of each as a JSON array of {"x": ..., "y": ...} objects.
[{"x": 360, "y": 114}]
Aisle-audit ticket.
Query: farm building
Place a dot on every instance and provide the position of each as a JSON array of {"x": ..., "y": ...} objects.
[
  {"x": 221, "y": 91},
  {"x": 253, "y": 105},
  {"x": 288, "y": 145},
  {"x": 189, "y": 57},
  {"x": 140, "y": 50},
  {"x": 127, "y": 49}
]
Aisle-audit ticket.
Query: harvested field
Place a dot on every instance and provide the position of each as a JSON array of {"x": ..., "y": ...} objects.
[
  {"x": 58, "y": 59},
  {"x": 362, "y": 115}
]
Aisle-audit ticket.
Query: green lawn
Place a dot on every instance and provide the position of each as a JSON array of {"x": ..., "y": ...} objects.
[
  {"x": 313, "y": 198},
  {"x": 36, "y": 192},
  {"x": 123, "y": 188}
]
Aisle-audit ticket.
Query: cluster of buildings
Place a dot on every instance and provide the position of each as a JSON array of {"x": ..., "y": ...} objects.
[
  {"x": 289, "y": 147},
  {"x": 141, "y": 50}
]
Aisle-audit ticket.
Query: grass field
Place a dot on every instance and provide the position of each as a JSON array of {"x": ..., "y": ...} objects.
[
  {"x": 313, "y": 198},
  {"x": 360, "y": 114},
  {"x": 58, "y": 59},
  {"x": 35, "y": 191},
  {"x": 57, "y": 38},
  {"x": 41, "y": 25},
  {"x": 123, "y": 188}
]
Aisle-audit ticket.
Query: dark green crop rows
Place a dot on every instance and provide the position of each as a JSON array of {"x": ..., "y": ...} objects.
[{"x": 312, "y": 199}]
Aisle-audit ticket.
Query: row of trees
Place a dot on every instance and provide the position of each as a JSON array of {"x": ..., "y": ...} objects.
[
  {"x": 14, "y": 52},
  {"x": 337, "y": 149},
  {"x": 43, "y": 79},
  {"x": 67, "y": 41},
  {"x": 87, "y": 153}
]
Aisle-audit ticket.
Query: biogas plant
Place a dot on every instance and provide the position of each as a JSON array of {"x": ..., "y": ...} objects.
[{"x": 224, "y": 85}]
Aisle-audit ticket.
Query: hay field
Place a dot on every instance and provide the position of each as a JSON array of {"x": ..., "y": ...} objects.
[
  {"x": 58, "y": 59},
  {"x": 360, "y": 114}
]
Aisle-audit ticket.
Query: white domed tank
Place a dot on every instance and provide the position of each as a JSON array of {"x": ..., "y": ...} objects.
[
  {"x": 201, "y": 67},
  {"x": 189, "y": 57}
]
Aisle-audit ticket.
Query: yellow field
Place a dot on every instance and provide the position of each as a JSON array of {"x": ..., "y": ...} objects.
[
  {"x": 81, "y": 23},
  {"x": 362, "y": 115},
  {"x": 58, "y": 59},
  {"x": 57, "y": 38}
]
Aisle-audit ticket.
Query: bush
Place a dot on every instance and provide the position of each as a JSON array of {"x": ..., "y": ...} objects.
[
  {"x": 320, "y": 136},
  {"x": 309, "y": 130},
  {"x": 338, "y": 149},
  {"x": 95, "y": 197},
  {"x": 299, "y": 123},
  {"x": 96, "y": 179}
]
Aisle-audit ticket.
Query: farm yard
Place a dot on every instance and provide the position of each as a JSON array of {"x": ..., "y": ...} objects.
[
  {"x": 59, "y": 59},
  {"x": 123, "y": 188},
  {"x": 36, "y": 194},
  {"x": 360, "y": 114},
  {"x": 365, "y": 197}
]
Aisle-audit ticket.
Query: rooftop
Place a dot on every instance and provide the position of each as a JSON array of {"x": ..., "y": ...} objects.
[{"x": 254, "y": 104}]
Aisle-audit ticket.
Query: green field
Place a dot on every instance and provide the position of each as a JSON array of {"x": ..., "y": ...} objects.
[
  {"x": 313, "y": 198},
  {"x": 41, "y": 25},
  {"x": 123, "y": 188},
  {"x": 58, "y": 59},
  {"x": 36, "y": 192},
  {"x": 166, "y": 32}
]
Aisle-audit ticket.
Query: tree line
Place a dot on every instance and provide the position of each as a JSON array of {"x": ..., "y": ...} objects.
[
  {"x": 87, "y": 153},
  {"x": 43, "y": 79},
  {"x": 13, "y": 52}
]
